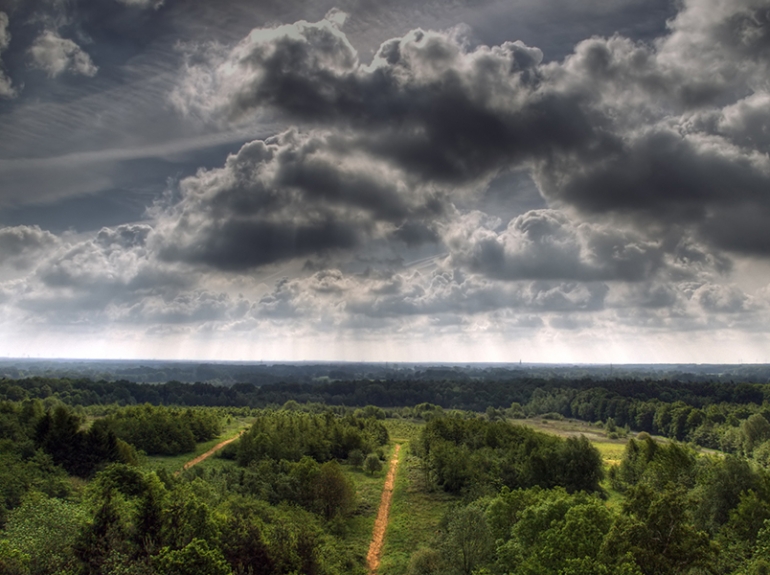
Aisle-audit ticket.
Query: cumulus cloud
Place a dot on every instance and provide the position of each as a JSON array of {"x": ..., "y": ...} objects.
[
  {"x": 111, "y": 277},
  {"x": 668, "y": 133},
  {"x": 21, "y": 246},
  {"x": 56, "y": 55},
  {"x": 84, "y": 280},
  {"x": 650, "y": 156},
  {"x": 294, "y": 195},
  {"x": 546, "y": 244},
  {"x": 426, "y": 102}
]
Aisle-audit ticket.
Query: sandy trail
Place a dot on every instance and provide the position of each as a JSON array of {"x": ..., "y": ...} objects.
[
  {"x": 209, "y": 453},
  {"x": 381, "y": 523}
]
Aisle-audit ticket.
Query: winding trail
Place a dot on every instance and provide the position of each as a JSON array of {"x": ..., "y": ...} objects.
[
  {"x": 381, "y": 523},
  {"x": 209, "y": 453}
]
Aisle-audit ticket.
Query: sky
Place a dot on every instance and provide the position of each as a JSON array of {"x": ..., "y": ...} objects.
[{"x": 391, "y": 180}]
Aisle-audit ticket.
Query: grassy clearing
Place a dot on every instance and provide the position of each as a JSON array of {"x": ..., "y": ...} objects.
[
  {"x": 414, "y": 515},
  {"x": 403, "y": 430},
  {"x": 611, "y": 449},
  {"x": 173, "y": 463},
  {"x": 368, "y": 493}
]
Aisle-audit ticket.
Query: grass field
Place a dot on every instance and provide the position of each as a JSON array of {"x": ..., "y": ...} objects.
[
  {"x": 414, "y": 516},
  {"x": 368, "y": 494},
  {"x": 611, "y": 449}
]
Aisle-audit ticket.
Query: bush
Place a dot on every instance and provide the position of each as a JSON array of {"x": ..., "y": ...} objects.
[
  {"x": 425, "y": 562},
  {"x": 356, "y": 457}
]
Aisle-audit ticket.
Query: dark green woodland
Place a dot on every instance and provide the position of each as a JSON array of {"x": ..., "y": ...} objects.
[{"x": 81, "y": 493}]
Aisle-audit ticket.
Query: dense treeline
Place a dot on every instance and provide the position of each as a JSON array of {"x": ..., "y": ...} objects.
[
  {"x": 39, "y": 447},
  {"x": 681, "y": 513},
  {"x": 162, "y": 430},
  {"x": 292, "y": 456},
  {"x": 152, "y": 371},
  {"x": 149, "y": 523},
  {"x": 713, "y": 415},
  {"x": 462, "y": 454},
  {"x": 291, "y": 435},
  {"x": 79, "y": 452},
  {"x": 468, "y": 394}
]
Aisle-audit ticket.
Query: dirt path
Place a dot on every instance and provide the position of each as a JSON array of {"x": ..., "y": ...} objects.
[
  {"x": 209, "y": 453},
  {"x": 381, "y": 523}
]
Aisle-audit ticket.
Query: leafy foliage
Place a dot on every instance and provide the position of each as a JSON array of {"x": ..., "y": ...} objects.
[
  {"x": 162, "y": 430},
  {"x": 463, "y": 454},
  {"x": 372, "y": 463},
  {"x": 291, "y": 435}
]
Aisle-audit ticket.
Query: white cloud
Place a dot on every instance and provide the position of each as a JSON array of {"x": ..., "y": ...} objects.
[
  {"x": 154, "y": 4},
  {"x": 56, "y": 55},
  {"x": 6, "y": 88}
]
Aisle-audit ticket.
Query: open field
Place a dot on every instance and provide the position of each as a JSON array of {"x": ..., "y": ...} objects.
[
  {"x": 403, "y": 430},
  {"x": 611, "y": 449},
  {"x": 368, "y": 493},
  {"x": 414, "y": 515}
]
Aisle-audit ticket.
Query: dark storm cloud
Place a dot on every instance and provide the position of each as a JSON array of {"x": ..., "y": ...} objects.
[
  {"x": 291, "y": 196},
  {"x": 746, "y": 123},
  {"x": 426, "y": 102},
  {"x": 619, "y": 127},
  {"x": 663, "y": 172},
  {"x": 722, "y": 299}
]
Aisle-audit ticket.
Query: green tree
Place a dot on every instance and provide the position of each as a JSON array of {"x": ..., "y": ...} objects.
[
  {"x": 553, "y": 532},
  {"x": 40, "y": 535},
  {"x": 356, "y": 457},
  {"x": 334, "y": 493},
  {"x": 658, "y": 532},
  {"x": 372, "y": 463},
  {"x": 196, "y": 557},
  {"x": 106, "y": 540},
  {"x": 468, "y": 543},
  {"x": 243, "y": 537},
  {"x": 755, "y": 430},
  {"x": 581, "y": 465}
]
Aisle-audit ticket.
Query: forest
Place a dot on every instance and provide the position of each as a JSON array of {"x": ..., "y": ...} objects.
[{"x": 510, "y": 477}]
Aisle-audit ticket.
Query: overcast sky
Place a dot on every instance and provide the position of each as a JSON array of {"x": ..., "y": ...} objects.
[{"x": 390, "y": 180}]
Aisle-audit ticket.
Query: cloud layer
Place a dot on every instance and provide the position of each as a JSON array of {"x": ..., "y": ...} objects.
[
  {"x": 666, "y": 134},
  {"x": 368, "y": 212}
]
